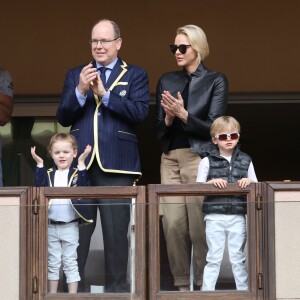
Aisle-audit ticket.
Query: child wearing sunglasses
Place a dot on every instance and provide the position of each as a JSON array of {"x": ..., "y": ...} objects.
[{"x": 225, "y": 215}]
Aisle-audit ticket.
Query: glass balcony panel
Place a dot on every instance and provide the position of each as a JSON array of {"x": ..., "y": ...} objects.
[
  {"x": 183, "y": 244},
  {"x": 94, "y": 277}
]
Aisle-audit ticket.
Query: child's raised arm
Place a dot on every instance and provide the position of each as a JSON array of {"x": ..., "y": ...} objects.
[
  {"x": 39, "y": 160},
  {"x": 83, "y": 156}
]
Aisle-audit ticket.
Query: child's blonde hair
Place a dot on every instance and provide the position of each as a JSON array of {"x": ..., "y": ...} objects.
[
  {"x": 223, "y": 123},
  {"x": 63, "y": 137}
]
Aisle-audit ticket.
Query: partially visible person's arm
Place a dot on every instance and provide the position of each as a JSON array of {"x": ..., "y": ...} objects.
[
  {"x": 82, "y": 157},
  {"x": 83, "y": 178},
  {"x": 40, "y": 172},
  {"x": 244, "y": 182},
  {"x": 251, "y": 173},
  {"x": 203, "y": 170},
  {"x": 6, "y": 108},
  {"x": 6, "y": 97}
]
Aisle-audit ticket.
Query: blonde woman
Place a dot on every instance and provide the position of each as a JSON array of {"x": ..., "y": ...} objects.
[{"x": 188, "y": 101}]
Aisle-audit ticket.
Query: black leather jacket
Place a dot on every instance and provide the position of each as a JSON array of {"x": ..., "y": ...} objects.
[{"x": 207, "y": 101}]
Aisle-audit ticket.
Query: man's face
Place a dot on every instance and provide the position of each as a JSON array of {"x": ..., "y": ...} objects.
[{"x": 104, "y": 45}]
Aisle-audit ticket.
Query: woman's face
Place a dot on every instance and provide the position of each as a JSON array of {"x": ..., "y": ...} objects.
[{"x": 188, "y": 60}]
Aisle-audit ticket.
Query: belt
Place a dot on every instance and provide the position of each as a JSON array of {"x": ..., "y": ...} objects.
[{"x": 52, "y": 222}]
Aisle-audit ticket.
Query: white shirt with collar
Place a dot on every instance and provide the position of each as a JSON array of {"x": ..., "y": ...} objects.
[{"x": 61, "y": 209}]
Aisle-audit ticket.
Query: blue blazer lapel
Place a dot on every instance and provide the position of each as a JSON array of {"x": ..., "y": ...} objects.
[{"x": 116, "y": 71}]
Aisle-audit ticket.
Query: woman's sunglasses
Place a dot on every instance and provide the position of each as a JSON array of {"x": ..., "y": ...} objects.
[
  {"x": 182, "y": 48},
  {"x": 225, "y": 136}
]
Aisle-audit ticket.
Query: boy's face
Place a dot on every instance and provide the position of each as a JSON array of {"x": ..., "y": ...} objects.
[
  {"x": 226, "y": 140},
  {"x": 63, "y": 154}
]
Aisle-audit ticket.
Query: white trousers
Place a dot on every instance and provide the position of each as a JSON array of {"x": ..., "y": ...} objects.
[
  {"x": 218, "y": 227},
  {"x": 62, "y": 247}
]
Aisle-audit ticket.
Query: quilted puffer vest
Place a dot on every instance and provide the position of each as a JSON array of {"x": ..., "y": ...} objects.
[{"x": 219, "y": 167}]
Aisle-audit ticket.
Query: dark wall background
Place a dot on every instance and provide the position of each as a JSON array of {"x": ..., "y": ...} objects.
[
  {"x": 269, "y": 133},
  {"x": 255, "y": 43}
]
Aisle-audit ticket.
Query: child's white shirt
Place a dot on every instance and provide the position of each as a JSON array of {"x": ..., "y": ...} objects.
[
  {"x": 61, "y": 209},
  {"x": 203, "y": 170}
]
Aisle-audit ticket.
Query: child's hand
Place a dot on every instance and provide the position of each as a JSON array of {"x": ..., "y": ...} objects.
[
  {"x": 38, "y": 159},
  {"x": 219, "y": 182},
  {"x": 244, "y": 182},
  {"x": 84, "y": 155}
]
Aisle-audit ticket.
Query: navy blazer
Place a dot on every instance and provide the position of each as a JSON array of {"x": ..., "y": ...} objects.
[
  {"x": 43, "y": 177},
  {"x": 113, "y": 127}
]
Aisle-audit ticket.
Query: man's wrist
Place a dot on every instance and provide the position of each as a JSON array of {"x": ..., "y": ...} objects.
[{"x": 102, "y": 93}]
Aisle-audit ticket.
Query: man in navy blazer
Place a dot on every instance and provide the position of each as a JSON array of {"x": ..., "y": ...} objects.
[{"x": 103, "y": 102}]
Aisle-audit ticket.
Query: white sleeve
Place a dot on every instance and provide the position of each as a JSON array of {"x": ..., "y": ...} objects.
[
  {"x": 251, "y": 173},
  {"x": 203, "y": 169}
]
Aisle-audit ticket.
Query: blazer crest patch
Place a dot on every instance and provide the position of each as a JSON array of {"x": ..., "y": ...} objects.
[
  {"x": 122, "y": 93},
  {"x": 74, "y": 181}
]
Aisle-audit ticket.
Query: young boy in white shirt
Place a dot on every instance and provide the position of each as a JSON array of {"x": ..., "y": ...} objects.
[
  {"x": 64, "y": 215},
  {"x": 225, "y": 215}
]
